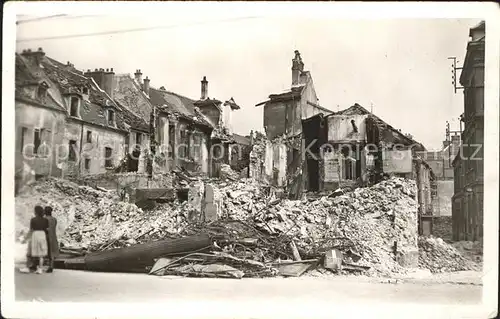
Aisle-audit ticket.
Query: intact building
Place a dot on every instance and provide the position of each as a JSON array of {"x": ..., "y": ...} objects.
[{"x": 467, "y": 201}]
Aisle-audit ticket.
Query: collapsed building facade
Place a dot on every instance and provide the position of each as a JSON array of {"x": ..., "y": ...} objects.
[
  {"x": 310, "y": 148},
  {"x": 71, "y": 123}
]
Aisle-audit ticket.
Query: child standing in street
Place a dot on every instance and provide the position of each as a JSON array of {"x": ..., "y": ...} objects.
[{"x": 37, "y": 237}]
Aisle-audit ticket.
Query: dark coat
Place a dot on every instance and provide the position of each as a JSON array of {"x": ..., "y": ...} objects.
[{"x": 52, "y": 237}]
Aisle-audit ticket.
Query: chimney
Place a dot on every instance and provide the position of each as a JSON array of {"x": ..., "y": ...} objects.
[
  {"x": 204, "y": 88},
  {"x": 297, "y": 68},
  {"x": 109, "y": 82},
  {"x": 105, "y": 79},
  {"x": 145, "y": 86},
  {"x": 138, "y": 76},
  {"x": 477, "y": 32},
  {"x": 36, "y": 57}
]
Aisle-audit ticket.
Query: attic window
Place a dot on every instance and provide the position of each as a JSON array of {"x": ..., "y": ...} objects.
[
  {"x": 41, "y": 92},
  {"x": 85, "y": 90},
  {"x": 111, "y": 117},
  {"x": 74, "y": 106}
]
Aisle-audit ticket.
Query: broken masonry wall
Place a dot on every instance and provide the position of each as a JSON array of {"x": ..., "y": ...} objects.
[
  {"x": 240, "y": 157},
  {"x": 442, "y": 228},
  {"x": 331, "y": 167},
  {"x": 28, "y": 119},
  {"x": 279, "y": 164},
  {"x": 94, "y": 152},
  {"x": 163, "y": 136},
  {"x": 341, "y": 128},
  {"x": 406, "y": 233},
  {"x": 282, "y": 118},
  {"x": 261, "y": 161},
  {"x": 140, "y": 140},
  {"x": 127, "y": 182},
  {"x": 204, "y": 154},
  {"x": 442, "y": 202},
  {"x": 191, "y": 149}
]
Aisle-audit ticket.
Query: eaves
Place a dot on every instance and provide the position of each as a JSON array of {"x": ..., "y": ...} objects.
[
  {"x": 110, "y": 128},
  {"x": 35, "y": 103}
]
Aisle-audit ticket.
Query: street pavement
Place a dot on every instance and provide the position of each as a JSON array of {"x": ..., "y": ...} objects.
[{"x": 81, "y": 286}]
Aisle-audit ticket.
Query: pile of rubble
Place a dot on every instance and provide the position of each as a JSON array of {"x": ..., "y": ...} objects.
[
  {"x": 91, "y": 220},
  {"x": 371, "y": 230},
  {"x": 470, "y": 249},
  {"x": 363, "y": 224},
  {"x": 438, "y": 256}
]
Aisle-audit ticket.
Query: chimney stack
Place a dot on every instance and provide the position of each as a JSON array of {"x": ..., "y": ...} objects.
[
  {"x": 204, "y": 88},
  {"x": 105, "y": 79},
  {"x": 145, "y": 86},
  {"x": 477, "y": 32},
  {"x": 138, "y": 76},
  {"x": 36, "y": 57},
  {"x": 297, "y": 68}
]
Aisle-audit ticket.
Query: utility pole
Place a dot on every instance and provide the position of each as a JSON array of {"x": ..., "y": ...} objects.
[{"x": 454, "y": 73}]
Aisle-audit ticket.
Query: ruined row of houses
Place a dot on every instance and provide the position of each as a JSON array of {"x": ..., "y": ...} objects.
[
  {"x": 308, "y": 147},
  {"x": 72, "y": 123},
  {"x": 96, "y": 122}
]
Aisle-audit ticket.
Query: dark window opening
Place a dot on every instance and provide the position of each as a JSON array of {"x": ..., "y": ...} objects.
[
  {"x": 354, "y": 127},
  {"x": 111, "y": 117},
  {"x": 133, "y": 163},
  {"x": 171, "y": 140},
  {"x": 72, "y": 151},
  {"x": 23, "y": 133},
  {"x": 87, "y": 163},
  {"x": 37, "y": 140},
  {"x": 345, "y": 151},
  {"x": 85, "y": 90},
  {"x": 74, "y": 107},
  {"x": 41, "y": 92},
  {"x": 89, "y": 137},
  {"x": 138, "y": 138},
  {"x": 108, "y": 152}
]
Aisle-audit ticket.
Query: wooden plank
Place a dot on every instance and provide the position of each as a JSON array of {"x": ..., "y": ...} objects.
[{"x": 143, "y": 255}]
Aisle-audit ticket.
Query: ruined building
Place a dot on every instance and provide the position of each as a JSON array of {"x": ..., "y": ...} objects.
[
  {"x": 75, "y": 124},
  {"x": 310, "y": 148},
  {"x": 66, "y": 124},
  {"x": 468, "y": 165}
]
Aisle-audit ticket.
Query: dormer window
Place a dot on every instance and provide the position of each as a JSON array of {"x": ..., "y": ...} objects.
[
  {"x": 74, "y": 105},
  {"x": 41, "y": 91},
  {"x": 85, "y": 90},
  {"x": 111, "y": 117}
]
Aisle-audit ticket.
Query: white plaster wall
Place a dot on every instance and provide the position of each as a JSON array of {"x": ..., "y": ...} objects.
[
  {"x": 204, "y": 154},
  {"x": 340, "y": 128},
  {"x": 268, "y": 159}
]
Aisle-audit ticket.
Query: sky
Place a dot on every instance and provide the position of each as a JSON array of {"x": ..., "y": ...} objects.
[{"x": 398, "y": 66}]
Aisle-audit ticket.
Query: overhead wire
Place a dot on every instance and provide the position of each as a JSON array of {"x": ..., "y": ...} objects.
[
  {"x": 130, "y": 30},
  {"x": 40, "y": 18}
]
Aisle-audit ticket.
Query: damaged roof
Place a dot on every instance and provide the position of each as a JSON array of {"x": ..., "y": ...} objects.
[
  {"x": 64, "y": 79},
  {"x": 232, "y": 104},
  {"x": 136, "y": 105},
  {"x": 71, "y": 80},
  {"x": 293, "y": 93},
  {"x": 240, "y": 139},
  {"x": 178, "y": 105},
  {"x": 357, "y": 109}
]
